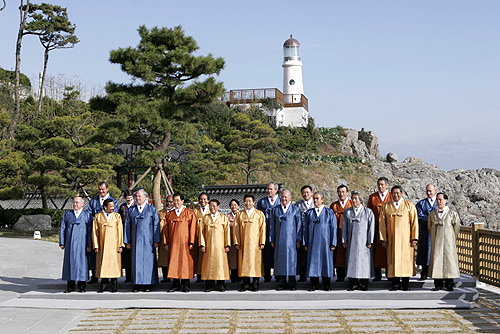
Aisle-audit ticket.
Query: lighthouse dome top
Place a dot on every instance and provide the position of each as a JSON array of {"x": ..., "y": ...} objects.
[{"x": 291, "y": 42}]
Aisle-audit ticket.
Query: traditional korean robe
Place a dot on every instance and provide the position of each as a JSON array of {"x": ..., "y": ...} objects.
[
  {"x": 444, "y": 232},
  {"x": 249, "y": 234},
  {"x": 75, "y": 236},
  {"x": 107, "y": 235},
  {"x": 424, "y": 207},
  {"x": 339, "y": 252},
  {"x": 142, "y": 230},
  {"x": 302, "y": 254},
  {"x": 163, "y": 254},
  {"x": 375, "y": 204},
  {"x": 232, "y": 255},
  {"x": 357, "y": 232},
  {"x": 94, "y": 207},
  {"x": 179, "y": 233},
  {"x": 319, "y": 234},
  {"x": 266, "y": 207},
  {"x": 197, "y": 254},
  {"x": 285, "y": 231},
  {"x": 215, "y": 236},
  {"x": 399, "y": 227},
  {"x": 126, "y": 253}
]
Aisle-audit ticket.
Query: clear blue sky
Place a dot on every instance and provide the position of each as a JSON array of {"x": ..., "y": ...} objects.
[{"x": 423, "y": 75}]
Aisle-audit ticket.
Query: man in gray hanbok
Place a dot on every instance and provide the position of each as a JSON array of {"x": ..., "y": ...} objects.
[
  {"x": 358, "y": 232},
  {"x": 75, "y": 240},
  {"x": 142, "y": 236},
  {"x": 320, "y": 239},
  {"x": 444, "y": 226},
  {"x": 285, "y": 232}
]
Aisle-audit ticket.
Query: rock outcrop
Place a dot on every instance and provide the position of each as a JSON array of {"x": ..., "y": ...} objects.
[
  {"x": 475, "y": 194},
  {"x": 31, "y": 223}
]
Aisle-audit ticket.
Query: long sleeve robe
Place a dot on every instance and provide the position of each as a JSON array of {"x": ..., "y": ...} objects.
[
  {"x": 178, "y": 235},
  {"x": 424, "y": 237},
  {"x": 379, "y": 252},
  {"x": 339, "y": 252},
  {"x": 215, "y": 237},
  {"x": 197, "y": 254},
  {"x": 163, "y": 254},
  {"x": 249, "y": 234},
  {"x": 285, "y": 231},
  {"x": 95, "y": 207},
  {"x": 266, "y": 207},
  {"x": 444, "y": 232},
  {"x": 126, "y": 253},
  {"x": 399, "y": 227},
  {"x": 319, "y": 234},
  {"x": 75, "y": 237},
  {"x": 232, "y": 255},
  {"x": 142, "y": 230},
  {"x": 357, "y": 232},
  {"x": 107, "y": 236}
]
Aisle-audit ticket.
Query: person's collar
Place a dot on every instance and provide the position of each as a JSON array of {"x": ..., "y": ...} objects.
[
  {"x": 249, "y": 212},
  {"x": 309, "y": 203},
  {"x": 356, "y": 210},
  {"x": 78, "y": 212},
  {"x": 104, "y": 198},
  {"x": 179, "y": 211},
  {"x": 398, "y": 203},
  {"x": 382, "y": 195},
  {"x": 344, "y": 203},
  {"x": 214, "y": 216},
  {"x": 318, "y": 210},
  {"x": 204, "y": 210},
  {"x": 131, "y": 204},
  {"x": 285, "y": 207},
  {"x": 432, "y": 200}
]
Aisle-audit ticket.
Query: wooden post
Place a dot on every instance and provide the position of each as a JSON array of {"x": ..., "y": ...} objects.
[{"x": 476, "y": 226}]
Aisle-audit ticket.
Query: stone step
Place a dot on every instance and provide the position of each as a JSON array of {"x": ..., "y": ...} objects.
[
  {"x": 264, "y": 295},
  {"x": 465, "y": 281}
]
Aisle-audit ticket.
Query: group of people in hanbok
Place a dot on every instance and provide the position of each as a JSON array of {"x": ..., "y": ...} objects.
[{"x": 347, "y": 240}]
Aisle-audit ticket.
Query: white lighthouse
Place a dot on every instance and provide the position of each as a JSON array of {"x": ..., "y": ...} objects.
[
  {"x": 294, "y": 111},
  {"x": 293, "y": 87}
]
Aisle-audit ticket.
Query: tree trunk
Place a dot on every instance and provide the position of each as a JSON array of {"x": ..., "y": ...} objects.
[
  {"x": 23, "y": 13},
  {"x": 44, "y": 200},
  {"x": 45, "y": 62},
  {"x": 157, "y": 187}
]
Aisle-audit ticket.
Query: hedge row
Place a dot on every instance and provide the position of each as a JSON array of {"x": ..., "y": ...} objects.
[{"x": 10, "y": 216}]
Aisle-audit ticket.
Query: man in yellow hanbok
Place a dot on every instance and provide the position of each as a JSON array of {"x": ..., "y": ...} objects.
[
  {"x": 107, "y": 238},
  {"x": 214, "y": 240}
]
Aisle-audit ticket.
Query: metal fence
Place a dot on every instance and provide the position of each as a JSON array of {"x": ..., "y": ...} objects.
[{"x": 479, "y": 253}]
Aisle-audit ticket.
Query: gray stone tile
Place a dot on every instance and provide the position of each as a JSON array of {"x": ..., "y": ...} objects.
[
  {"x": 316, "y": 324},
  {"x": 206, "y": 325},
  {"x": 480, "y": 321},
  {"x": 144, "y": 326},
  {"x": 309, "y": 318},
  {"x": 486, "y": 328},
  {"x": 148, "y": 331},
  {"x": 197, "y": 331},
  {"x": 438, "y": 329},
  {"x": 209, "y": 320},
  {"x": 420, "y": 316},
  {"x": 427, "y": 322},
  {"x": 317, "y": 330},
  {"x": 372, "y": 323},
  {"x": 367, "y": 317},
  {"x": 377, "y": 329},
  {"x": 347, "y": 312},
  {"x": 259, "y": 330},
  {"x": 261, "y": 324}
]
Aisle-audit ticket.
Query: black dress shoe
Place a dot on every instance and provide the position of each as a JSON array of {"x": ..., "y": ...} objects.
[
  {"x": 436, "y": 289},
  {"x": 244, "y": 288},
  {"x": 68, "y": 291},
  {"x": 170, "y": 290},
  {"x": 449, "y": 289},
  {"x": 81, "y": 290},
  {"x": 312, "y": 288},
  {"x": 423, "y": 277},
  {"x": 135, "y": 290},
  {"x": 327, "y": 288},
  {"x": 208, "y": 290},
  {"x": 406, "y": 288},
  {"x": 221, "y": 289},
  {"x": 293, "y": 288},
  {"x": 362, "y": 288},
  {"x": 185, "y": 289},
  {"x": 101, "y": 290},
  {"x": 394, "y": 288}
]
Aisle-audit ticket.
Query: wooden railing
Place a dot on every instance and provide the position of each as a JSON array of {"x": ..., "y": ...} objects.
[
  {"x": 249, "y": 96},
  {"x": 479, "y": 253}
]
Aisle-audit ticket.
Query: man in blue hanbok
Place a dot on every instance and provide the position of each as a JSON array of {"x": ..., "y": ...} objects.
[
  {"x": 424, "y": 208},
  {"x": 304, "y": 204},
  {"x": 142, "y": 236},
  {"x": 320, "y": 239},
  {"x": 266, "y": 205},
  {"x": 285, "y": 233},
  {"x": 96, "y": 206},
  {"x": 75, "y": 240}
]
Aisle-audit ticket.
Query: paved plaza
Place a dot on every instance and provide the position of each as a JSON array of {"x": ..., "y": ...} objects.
[{"x": 25, "y": 264}]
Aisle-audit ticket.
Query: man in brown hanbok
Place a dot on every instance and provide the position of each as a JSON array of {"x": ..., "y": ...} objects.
[
  {"x": 178, "y": 237},
  {"x": 399, "y": 234},
  {"x": 249, "y": 240},
  {"x": 107, "y": 238},
  {"x": 214, "y": 239},
  {"x": 338, "y": 207},
  {"x": 200, "y": 211},
  {"x": 444, "y": 226},
  {"x": 375, "y": 202},
  {"x": 163, "y": 255}
]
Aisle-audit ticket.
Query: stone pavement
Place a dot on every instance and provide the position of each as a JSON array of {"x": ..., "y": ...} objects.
[{"x": 25, "y": 264}]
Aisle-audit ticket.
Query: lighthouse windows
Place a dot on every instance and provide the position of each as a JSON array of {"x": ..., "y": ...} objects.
[{"x": 291, "y": 82}]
